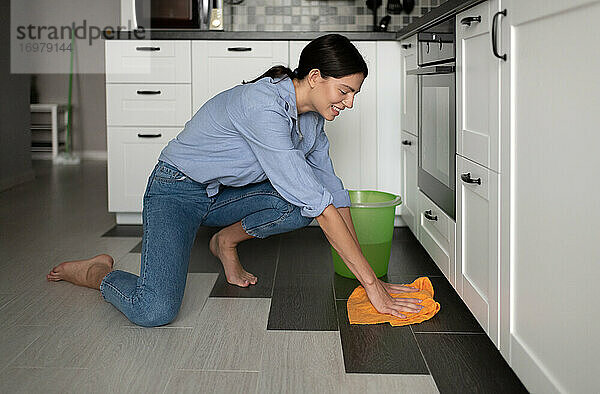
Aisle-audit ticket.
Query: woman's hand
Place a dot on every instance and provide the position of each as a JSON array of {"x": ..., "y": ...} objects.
[
  {"x": 395, "y": 288},
  {"x": 385, "y": 303}
]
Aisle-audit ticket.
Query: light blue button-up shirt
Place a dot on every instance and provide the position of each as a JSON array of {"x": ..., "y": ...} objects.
[{"x": 251, "y": 133}]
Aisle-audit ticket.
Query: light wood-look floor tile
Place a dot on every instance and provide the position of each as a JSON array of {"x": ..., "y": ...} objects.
[
  {"x": 229, "y": 335},
  {"x": 397, "y": 384},
  {"x": 301, "y": 362},
  {"x": 131, "y": 262},
  {"x": 5, "y": 299},
  {"x": 135, "y": 360},
  {"x": 16, "y": 339},
  {"x": 39, "y": 380},
  {"x": 217, "y": 382}
]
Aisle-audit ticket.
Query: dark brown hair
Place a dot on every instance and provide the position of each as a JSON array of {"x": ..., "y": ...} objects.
[{"x": 332, "y": 54}]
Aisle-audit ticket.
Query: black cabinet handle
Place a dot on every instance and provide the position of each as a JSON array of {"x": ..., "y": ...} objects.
[
  {"x": 470, "y": 19},
  {"x": 239, "y": 49},
  {"x": 149, "y": 135},
  {"x": 151, "y": 49},
  {"x": 406, "y": 142},
  {"x": 148, "y": 92},
  {"x": 430, "y": 216},
  {"x": 495, "y": 35},
  {"x": 406, "y": 46},
  {"x": 467, "y": 178}
]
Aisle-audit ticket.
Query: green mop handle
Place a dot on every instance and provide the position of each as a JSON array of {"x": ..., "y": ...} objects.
[{"x": 68, "y": 135}]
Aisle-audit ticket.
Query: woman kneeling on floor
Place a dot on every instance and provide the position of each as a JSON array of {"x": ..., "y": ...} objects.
[{"x": 255, "y": 160}]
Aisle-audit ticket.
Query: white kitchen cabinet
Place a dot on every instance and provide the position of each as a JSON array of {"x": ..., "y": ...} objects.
[
  {"x": 478, "y": 83},
  {"x": 132, "y": 154},
  {"x": 437, "y": 235},
  {"x": 410, "y": 209},
  {"x": 152, "y": 61},
  {"x": 148, "y": 101},
  {"x": 220, "y": 65},
  {"x": 409, "y": 87},
  {"x": 353, "y": 134},
  {"x": 549, "y": 187},
  {"x": 477, "y": 242}
]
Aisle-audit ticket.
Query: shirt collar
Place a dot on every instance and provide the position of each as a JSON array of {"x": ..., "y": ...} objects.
[{"x": 288, "y": 93}]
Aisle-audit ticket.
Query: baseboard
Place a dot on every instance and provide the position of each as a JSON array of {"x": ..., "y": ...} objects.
[
  {"x": 100, "y": 155},
  {"x": 530, "y": 370},
  {"x": 14, "y": 180},
  {"x": 93, "y": 155}
]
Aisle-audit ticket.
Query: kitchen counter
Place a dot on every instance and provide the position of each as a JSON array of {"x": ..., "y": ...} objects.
[
  {"x": 191, "y": 34},
  {"x": 445, "y": 10}
]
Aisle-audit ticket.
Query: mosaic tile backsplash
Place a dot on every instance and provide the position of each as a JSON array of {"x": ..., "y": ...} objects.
[{"x": 315, "y": 15}]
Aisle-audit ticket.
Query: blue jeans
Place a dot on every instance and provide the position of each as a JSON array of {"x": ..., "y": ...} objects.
[{"x": 175, "y": 206}]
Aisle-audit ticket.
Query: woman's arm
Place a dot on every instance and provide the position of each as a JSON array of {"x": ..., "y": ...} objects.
[
  {"x": 336, "y": 231},
  {"x": 345, "y": 213}
]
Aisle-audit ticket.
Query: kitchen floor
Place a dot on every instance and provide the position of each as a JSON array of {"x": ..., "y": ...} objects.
[{"x": 289, "y": 333}]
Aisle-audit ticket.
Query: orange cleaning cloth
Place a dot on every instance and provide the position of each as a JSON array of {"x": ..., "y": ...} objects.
[{"x": 361, "y": 311}]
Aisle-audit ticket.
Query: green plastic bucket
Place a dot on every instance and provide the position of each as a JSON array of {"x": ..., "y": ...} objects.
[{"x": 373, "y": 217}]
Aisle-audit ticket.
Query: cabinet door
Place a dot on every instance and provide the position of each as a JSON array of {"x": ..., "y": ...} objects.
[
  {"x": 477, "y": 242},
  {"x": 551, "y": 149},
  {"x": 409, "y": 181},
  {"x": 221, "y": 65},
  {"x": 132, "y": 154},
  {"x": 409, "y": 86},
  {"x": 477, "y": 82},
  {"x": 353, "y": 134}
]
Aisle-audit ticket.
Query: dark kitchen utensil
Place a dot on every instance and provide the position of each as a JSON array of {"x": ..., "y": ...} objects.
[
  {"x": 394, "y": 7},
  {"x": 383, "y": 23},
  {"x": 408, "y": 6},
  {"x": 373, "y": 5}
]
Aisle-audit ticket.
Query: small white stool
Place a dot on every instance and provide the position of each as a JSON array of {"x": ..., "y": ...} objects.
[{"x": 54, "y": 110}]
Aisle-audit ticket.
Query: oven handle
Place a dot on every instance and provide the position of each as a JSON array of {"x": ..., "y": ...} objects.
[{"x": 431, "y": 70}]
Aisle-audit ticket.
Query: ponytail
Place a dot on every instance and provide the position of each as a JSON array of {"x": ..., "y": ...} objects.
[{"x": 276, "y": 72}]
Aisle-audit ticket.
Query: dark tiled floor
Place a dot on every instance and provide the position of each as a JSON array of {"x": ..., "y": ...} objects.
[{"x": 296, "y": 271}]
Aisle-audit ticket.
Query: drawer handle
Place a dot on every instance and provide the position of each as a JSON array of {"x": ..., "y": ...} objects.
[
  {"x": 150, "y": 49},
  {"x": 467, "y": 178},
  {"x": 470, "y": 19},
  {"x": 429, "y": 215},
  {"x": 406, "y": 142},
  {"x": 149, "y": 135},
  {"x": 148, "y": 92},
  {"x": 406, "y": 46},
  {"x": 239, "y": 49}
]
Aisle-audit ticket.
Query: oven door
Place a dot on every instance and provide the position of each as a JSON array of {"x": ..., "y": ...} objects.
[{"x": 437, "y": 135}]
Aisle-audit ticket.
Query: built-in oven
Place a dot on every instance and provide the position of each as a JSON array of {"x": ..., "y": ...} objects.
[{"x": 437, "y": 115}]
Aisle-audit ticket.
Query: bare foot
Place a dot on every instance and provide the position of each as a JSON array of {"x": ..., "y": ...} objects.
[
  {"x": 88, "y": 273},
  {"x": 235, "y": 273}
]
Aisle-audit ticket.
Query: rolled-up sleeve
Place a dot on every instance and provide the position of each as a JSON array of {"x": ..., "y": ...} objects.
[
  {"x": 268, "y": 133},
  {"x": 320, "y": 161}
]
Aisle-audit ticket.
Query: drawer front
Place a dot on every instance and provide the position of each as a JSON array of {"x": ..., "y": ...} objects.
[
  {"x": 148, "y": 104},
  {"x": 247, "y": 49},
  {"x": 436, "y": 234},
  {"x": 150, "y": 61},
  {"x": 132, "y": 154},
  {"x": 409, "y": 86}
]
